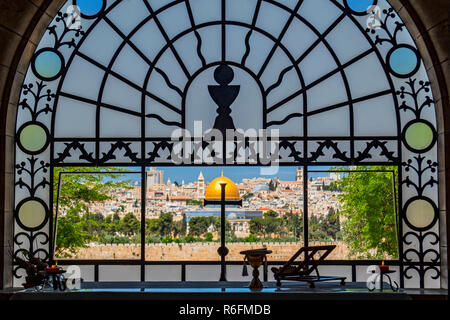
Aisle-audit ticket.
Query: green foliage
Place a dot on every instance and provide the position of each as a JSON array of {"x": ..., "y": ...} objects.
[
  {"x": 76, "y": 226},
  {"x": 209, "y": 237},
  {"x": 194, "y": 203},
  {"x": 251, "y": 238},
  {"x": 189, "y": 239},
  {"x": 165, "y": 224},
  {"x": 368, "y": 213},
  {"x": 80, "y": 189},
  {"x": 167, "y": 239},
  {"x": 111, "y": 239},
  {"x": 265, "y": 226},
  {"x": 70, "y": 237},
  {"x": 151, "y": 227},
  {"x": 326, "y": 227},
  {"x": 199, "y": 226},
  {"x": 272, "y": 185},
  {"x": 294, "y": 224},
  {"x": 247, "y": 196},
  {"x": 129, "y": 225},
  {"x": 257, "y": 226},
  {"x": 270, "y": 214}
]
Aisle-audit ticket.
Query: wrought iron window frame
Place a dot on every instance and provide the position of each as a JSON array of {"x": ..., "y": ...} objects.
[{"x": 422, "y": 163}]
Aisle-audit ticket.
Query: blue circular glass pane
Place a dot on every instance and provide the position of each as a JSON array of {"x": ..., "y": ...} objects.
[
  {"x": 403, "y": 61},
  {"x": 90, "y": 7},
  {"x": 360, "y": 5},
  {"x": 48, "y": 64}
]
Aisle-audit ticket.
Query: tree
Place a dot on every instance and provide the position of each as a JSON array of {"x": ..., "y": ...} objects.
[
  {"x": 165, "y": 224},
  {"x": 333, "y": 225},
  {"x": 294, "y": 224},
  {"x": 129, "y": 225},
  {"x": 368, "y": 213},
  {"x": 198, "y": 226},
  {"x": 272, "y": 185},
  {"x": 257, "y": 227},
  {"x": 180, "y": 227},
  {"x": 272, "y": 225},
  {"x": 271, "y": 213},
  {"x": 265, "y": 226},
  {"x": 209, "y": 237},
  {"x": 152, "y": 227},
  {"x": 70, "y": 236},
  {"x": 247, "y": 196},
  {"x": 76, "y": 226}
]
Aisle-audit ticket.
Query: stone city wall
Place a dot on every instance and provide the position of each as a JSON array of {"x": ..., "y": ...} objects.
[{"x": 282, "y": 251}]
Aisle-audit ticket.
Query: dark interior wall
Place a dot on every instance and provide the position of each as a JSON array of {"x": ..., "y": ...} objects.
[{"x": 23, "y": 22}]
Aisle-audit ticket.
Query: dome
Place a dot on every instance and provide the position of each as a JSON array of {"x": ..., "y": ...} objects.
[
  {"x": 260, "y": 187},
  {"x": 232, "y": 215},
  {"x": 213, "y": 191}
]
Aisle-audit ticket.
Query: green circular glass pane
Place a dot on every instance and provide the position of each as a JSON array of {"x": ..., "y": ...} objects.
[
  {"x": 33, "y": 138},
  {"x": 32, "y": 214},
  {"x": 419, "y": 136},
  {"x": 420, "y": 213}
]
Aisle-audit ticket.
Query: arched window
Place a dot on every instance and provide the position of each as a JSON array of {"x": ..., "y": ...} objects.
[{"x": 339, "y": 82}]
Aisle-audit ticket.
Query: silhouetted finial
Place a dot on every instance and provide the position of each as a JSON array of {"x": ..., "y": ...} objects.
[{"x": 223, "y": 74}]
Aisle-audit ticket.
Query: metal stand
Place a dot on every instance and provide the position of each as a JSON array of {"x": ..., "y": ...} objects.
[
  {"x": 223, "y": 250},
  {"x": 393, "y": 284},
  {"x": 256, "y": 258},
  {"x": 386, "y": 274}
]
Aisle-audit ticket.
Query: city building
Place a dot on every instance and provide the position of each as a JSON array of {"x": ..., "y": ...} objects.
[{"x": 154, "y": 177}]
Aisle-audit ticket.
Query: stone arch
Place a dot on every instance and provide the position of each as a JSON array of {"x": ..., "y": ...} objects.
[{"x": 23, "y": 22}]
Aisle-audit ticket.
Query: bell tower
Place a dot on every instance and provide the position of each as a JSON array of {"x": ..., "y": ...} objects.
[
  {"x": 299, "y": 175},
  {"x": 201, "y": 186}
]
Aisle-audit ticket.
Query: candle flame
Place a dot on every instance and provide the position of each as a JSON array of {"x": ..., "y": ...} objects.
[{"x": 382, "y": 263}]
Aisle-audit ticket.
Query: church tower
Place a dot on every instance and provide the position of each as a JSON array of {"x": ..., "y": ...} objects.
[
  {"x": 201, "y": 186},
  {"x": 299, "y": 175}
]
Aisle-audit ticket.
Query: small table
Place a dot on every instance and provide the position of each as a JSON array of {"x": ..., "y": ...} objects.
[{"x": 255, "y": 258}]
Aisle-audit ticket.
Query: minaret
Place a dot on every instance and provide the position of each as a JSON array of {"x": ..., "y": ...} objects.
[{"x": 201, "y": 186}]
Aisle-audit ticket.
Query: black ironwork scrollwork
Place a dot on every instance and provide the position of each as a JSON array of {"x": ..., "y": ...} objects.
[
  {"x": 375, "y": 144},
  {"x": 158, "y": 146},
  {"x": 75, "y": 145},
  {"x": 296, "y": 155},
  {"x": 328, "y": 144},
  {"x": 420, "y": 169},
  {"x": 108, "y": 156},
  {"x": 32, "y": 169},
  {"x": 38, "y": 94},
  {"x": 414, "y": 93},
  {"x": 383, "y": 24},
  {"x": 69, "y": 33}
]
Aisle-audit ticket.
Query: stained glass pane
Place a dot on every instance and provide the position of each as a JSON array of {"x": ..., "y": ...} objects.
[
  {"x": 321, "y": 14},
  {"x": 32, "y": 214},
  {"x": 33, "y": 137},
  {"x": 419, "y": 135},
  {"x": 75, "y": 119}
]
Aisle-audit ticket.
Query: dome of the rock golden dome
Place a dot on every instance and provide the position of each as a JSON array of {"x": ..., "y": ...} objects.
[{"x": 213, "y": 191}]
